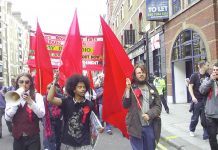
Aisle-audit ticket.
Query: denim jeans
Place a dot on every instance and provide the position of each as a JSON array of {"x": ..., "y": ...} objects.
[
  {"x": 2, "y": 111},
  {"x": 146, "y": 142}
]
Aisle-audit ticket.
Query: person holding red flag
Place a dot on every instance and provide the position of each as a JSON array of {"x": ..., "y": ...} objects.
[
  {"x": 144, "y": 105},
  {"x": 76, "y": 112}
]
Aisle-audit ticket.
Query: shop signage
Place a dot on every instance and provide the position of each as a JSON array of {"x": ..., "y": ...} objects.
[{"x": 157, "y": 10}]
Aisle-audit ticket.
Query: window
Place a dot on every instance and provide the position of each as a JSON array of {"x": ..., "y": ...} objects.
[
  {"x": 117, "y": 22},
  {"x": 140, "y": 22},
  {"x": 130, "y": 26},
  {"x": 129, "y": 3},
  {"x": 176, "y": 6},
  {"x": 121, "y": 38},
  {"x": 1, "y": 71},
  {"x": 157, "y": 60},
  {"x": 122, "y": 13},
  {"x": 187, "y": 45},
  {"x": 190, "y": 1},
  {"x": 1, "y": 54}
]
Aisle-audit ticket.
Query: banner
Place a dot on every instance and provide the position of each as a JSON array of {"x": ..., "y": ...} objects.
[
  {"x": 157, "y": 10},
  {"x": 92, "y": 51}
]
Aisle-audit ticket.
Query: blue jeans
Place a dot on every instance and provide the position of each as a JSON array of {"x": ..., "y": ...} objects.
[
  {"x": 108, "y": 127},
  {"x": 100, "y": 112},
  {"x": 146, "y": 142}
]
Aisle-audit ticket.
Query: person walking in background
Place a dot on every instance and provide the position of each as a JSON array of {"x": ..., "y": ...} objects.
[
  {"x": 25, "y": 115},
  {"x": 210, "y": 88},
  {"x": 13, "y": 85},
  {"x": 52, "y": 123},
  {"x": 144, "y": 108},
  {"x": 76, "y": 112},
  {"x": 160, "y": 85},
  {"x": 99, "y": 98},
  {"x": 197, "y": 98},
  {"x": 2, "y": 108},
  {"x": 11, "y": 88}
]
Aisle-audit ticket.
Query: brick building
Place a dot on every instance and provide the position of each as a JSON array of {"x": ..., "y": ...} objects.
[{"x": 190, "y": 35}]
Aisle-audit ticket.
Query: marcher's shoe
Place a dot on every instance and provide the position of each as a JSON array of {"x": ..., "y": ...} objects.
[
  {"x": 167, "y": 111},
  {"x": 192, "y": 134},
  {"x": 109, "y": 132},
  {"x": 0, "y": 136}
]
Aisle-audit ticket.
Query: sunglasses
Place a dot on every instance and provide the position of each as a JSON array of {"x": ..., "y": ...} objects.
[{"x": 24, "y": 81}]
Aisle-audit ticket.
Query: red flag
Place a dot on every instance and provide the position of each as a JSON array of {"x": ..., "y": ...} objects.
[
  {"x": 89, "y": 74},
  {"x": 117, "y": 68},
  {"x": 71, "y": 56},
  {"x": 44, "y": 72}
]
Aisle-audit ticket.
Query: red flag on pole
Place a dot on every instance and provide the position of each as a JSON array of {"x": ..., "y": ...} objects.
[
  {"x": 89, "y": 74},
  {"x": 71, "y": 56},
  {"x": 44, "y": 72},
  {"x": 117, "y": 68}
]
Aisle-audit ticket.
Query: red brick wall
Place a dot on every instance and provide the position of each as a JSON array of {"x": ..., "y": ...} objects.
[{"x": 202, "y": 17}]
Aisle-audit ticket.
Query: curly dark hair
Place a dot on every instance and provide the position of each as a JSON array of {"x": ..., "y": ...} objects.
[
  {"x": 73, "y": 81},
  {"x": 32, "y": 87}
]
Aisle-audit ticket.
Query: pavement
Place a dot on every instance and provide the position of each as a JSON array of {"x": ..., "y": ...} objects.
[{"x": 175, "y": 129}]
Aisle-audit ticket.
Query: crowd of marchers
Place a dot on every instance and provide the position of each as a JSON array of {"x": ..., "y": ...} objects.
[{"x": 65, "y": 112}]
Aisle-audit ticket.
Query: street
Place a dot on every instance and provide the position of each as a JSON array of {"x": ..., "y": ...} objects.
[{"x": 105, "y": 141}]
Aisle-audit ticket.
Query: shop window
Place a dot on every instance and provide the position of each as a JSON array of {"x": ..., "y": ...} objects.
[{"x": 176, "y": 6}]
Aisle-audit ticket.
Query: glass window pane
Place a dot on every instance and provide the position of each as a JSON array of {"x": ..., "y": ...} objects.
[
  {"x": 186, "y": 36},
  {"x": 176, "y": 6},
  {"x": 175, "y": 53},
  {"x": 176, "y": 43},
  {"x": 186, "y": 50},
  {"x": 196, "y": 47},
  {"x": 190, "y": 1}
]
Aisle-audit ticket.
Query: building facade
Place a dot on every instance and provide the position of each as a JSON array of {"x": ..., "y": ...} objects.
[
  {"x": 14, "y": 43},
  {"x": 170, "y": 47},
  {"x": 191, "y": 35}
]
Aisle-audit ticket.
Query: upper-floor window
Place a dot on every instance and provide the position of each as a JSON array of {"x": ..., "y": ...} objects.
[
  {"x": 117, "y": 22},
  {"x": 140, "y": 22},
  {"x": 129, "y": 3},
  {"x": 190, "y": 1},
  {"x": 1, "y": 71},
  {"x": 1, "y": 54},
  {"x": 121, "y": 38},
  {"x": 122, "y": 12},
  {"x": 176, "y": 6}
]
